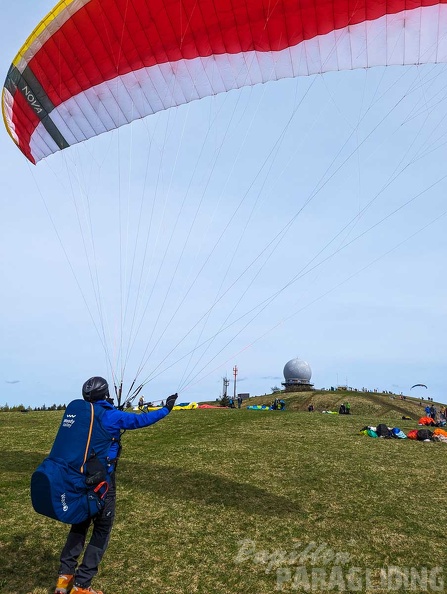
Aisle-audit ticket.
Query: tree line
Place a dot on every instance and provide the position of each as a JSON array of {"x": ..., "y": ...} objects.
[{"x": 22, "y": 408}]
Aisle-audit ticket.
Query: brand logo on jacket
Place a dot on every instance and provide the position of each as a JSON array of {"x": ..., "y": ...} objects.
[{"x": 64, "y": 502}]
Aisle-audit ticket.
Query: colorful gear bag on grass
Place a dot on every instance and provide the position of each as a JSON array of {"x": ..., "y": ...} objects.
[
  {"x": 424, "y": 434},
  {"x": 426, "y": 421},
  {"x": 398, "y": 433},
  {"x": 71, "y": 483}
]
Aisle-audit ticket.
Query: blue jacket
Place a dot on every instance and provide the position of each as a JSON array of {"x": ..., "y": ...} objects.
[{"x": 115, "y": 421}]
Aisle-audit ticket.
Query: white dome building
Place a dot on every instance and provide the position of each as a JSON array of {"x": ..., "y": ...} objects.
[{"x": 297, "y": 374}]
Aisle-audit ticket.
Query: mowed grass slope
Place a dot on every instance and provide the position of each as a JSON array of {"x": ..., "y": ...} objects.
[
  {"x": 195, "y": 486},
  {"x": 375, "y": 405}
]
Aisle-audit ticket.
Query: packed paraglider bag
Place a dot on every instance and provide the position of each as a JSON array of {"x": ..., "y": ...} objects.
[
  {"x": 383, "y": 431},
  {"x": 424, "y": 435},
  {"x": 71, "y": 483}
]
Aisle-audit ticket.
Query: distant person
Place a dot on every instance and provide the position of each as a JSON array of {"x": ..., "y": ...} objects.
[
  {"x": 348, "y": 408},
  {"x": 310, "y": 408},
  {"x": 141, "y": 402},
  {"x": 428, "y": 411},
  {"x": 109, "y": 424},
  {"x": 239, "y": 401}
]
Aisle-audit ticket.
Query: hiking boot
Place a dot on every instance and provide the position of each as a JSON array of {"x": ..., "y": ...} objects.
[
  {"x": 81, "y": 590},
  {"x": 64, "y": 584}
]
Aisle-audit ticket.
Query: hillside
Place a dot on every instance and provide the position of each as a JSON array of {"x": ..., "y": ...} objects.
[
  {"x": 244, "y": 502},
  {"x": 375, "y": 405}
]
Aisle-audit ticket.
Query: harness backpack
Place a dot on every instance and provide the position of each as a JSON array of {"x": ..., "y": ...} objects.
[
  {"x": 383, "y": 431},
  {"x": 71, "y": 483},
  {"x": 424, "y": 434}
]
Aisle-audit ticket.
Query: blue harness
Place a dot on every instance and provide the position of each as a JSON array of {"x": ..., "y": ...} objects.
[{"x": 71, "y": 483}]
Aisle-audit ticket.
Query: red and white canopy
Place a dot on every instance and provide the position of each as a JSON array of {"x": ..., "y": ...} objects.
[{"x": 94, "y": 65}]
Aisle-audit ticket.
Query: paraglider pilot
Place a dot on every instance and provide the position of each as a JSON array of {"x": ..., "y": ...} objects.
[{"x": 76, "y": 578}]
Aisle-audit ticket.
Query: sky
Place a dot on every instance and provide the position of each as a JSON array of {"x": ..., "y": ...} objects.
[{"x": 302, "y": 218}]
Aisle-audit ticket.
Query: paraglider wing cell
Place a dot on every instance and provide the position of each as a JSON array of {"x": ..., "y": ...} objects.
[{"x": 94, "y": 65}]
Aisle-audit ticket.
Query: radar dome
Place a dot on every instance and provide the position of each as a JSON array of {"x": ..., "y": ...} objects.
[{"x": 297, "y": 371}]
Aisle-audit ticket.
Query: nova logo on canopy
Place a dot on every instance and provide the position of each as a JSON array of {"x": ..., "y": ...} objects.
[{"x": 31, "y": 99}]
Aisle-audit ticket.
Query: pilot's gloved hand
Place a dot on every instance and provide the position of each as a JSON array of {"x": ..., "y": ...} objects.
[{"x": 170, "y": 401}]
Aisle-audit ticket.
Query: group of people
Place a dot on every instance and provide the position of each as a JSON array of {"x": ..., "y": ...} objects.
[
  {"x": 278, "y": 404},
  {"x": 345, "y": 409},
  {"x": 432, "y": 412}
]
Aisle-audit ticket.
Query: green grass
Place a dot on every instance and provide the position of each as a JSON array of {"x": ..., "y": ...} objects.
[
  {"x": 195, "y": 486},
  {"x": 373, "y": 405}
]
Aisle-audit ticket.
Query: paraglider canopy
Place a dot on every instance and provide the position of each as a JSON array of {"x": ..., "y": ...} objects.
[
  {"x": 421, "y": 385},
  {"x": 94, "y": 65}
]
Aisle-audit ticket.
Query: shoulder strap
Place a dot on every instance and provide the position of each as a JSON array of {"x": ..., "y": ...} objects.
[{"x": 89, "y": 437}]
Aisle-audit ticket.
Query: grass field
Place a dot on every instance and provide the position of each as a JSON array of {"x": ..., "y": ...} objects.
[{"x": 239, "y": 501}]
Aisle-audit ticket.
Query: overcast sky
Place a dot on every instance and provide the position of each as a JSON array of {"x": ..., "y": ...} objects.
[{"x": 303, "y": 218}]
